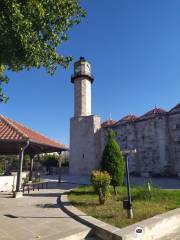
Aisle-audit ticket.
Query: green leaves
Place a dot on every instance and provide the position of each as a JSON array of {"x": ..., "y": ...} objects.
[
  {"x": 100, "y": 181},
  {"x": 112, "y": 160},
  {"x": 3, "y": 80},
  {"x": 31, "y": 31}
]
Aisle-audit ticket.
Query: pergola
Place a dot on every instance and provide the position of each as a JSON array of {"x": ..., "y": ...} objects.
[{"x": 16, "y": 139}]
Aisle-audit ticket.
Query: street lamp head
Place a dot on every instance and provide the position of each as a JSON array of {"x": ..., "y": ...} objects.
[
  {"x": 134, "y": 151},
  {"x": 129, "y": 152}
]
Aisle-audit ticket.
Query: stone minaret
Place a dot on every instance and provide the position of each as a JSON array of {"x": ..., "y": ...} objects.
[
  {"x": 84, "y": 127},
  {"x": 82, "y": 79}
]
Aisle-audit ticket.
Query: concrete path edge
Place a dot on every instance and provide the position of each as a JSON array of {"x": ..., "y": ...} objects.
[{"x": 152, "y": 228}]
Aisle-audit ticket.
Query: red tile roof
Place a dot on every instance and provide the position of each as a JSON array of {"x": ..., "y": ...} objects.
[
  {"x": 128, "y": 118},
  {"x": 10, "y": 130},
  {"x": 152, "y": 113},
  {"x": 176, "y": 108},
  {"x": 108, "y": 123}
]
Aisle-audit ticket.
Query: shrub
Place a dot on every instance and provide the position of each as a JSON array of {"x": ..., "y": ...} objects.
[
  {"x": 101, "y": 181},
  {"x": 149, "y": 190},
  {"x": 113, "y": 162}
]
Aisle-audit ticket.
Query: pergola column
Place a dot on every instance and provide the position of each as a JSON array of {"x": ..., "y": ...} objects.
[
  {"x": 18, "y": 193},
  {"x": 31, "y": 167},
  {"x": 59, "y": 167}
]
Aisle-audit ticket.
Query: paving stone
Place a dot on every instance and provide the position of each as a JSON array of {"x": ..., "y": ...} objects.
[{"x": 38, "y": 216}]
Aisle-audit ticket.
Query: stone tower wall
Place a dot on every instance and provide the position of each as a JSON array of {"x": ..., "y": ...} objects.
[
  {"x": 84, "y": 144},
  {"x": 82, "y": 97}
]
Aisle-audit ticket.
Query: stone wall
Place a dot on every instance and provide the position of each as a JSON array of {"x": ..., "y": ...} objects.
[
  {"x": 152, "y": 144},
  {"x": 174, "y": 142},
  {"x": 157, "y": 141}
]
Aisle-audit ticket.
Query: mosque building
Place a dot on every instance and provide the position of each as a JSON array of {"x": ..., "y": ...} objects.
[{"x": 155, "y": 135}]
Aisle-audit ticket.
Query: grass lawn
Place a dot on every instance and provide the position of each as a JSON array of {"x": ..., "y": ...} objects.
[{"x": 85, "y": 199}]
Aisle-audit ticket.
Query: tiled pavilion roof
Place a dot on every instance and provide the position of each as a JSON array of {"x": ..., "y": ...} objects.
[{"x": 11, "y": 131}]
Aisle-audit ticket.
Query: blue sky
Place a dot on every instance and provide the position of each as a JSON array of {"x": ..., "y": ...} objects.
[{"x": 134, "y": 49}]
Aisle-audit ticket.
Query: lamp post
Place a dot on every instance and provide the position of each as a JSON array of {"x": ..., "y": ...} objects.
[{"x": 127, "y": 204}]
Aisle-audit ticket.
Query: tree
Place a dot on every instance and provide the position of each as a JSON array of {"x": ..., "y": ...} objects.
[
  {"x": 11, "y": 162},
  {"x": 112, "y": 161},
  {"x": 31, "y": 31},
  {"x": 48, "y": 160}
]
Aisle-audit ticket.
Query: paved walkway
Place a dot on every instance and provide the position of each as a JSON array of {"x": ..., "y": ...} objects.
[{"x": 37, "y": 216}]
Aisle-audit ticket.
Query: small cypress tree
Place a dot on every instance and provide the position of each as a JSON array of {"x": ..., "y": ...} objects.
[{"x": 112, "y": 161}]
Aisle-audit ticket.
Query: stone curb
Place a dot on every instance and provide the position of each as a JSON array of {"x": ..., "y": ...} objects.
[
  {"x": 152, "y": 228},
  {"x": 102, "y": 230}
]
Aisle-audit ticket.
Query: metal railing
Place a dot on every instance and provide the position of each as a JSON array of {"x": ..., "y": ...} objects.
[{"x": 82, "y": 74}]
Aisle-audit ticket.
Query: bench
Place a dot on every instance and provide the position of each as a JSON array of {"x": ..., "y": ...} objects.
[{"x": 31, "y": 186}]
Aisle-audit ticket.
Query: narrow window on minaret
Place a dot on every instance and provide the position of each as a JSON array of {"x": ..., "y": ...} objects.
[{"x": 83, "y": 155}]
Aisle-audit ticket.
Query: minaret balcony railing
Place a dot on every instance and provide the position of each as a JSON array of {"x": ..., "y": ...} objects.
[{"x": 82, "y": 74}]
